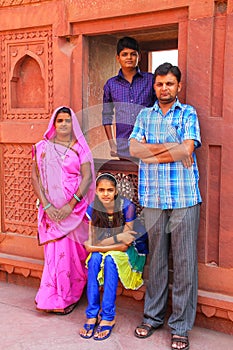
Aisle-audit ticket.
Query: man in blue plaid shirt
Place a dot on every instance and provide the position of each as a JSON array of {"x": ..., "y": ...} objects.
[{"x": 165, "y": 137}]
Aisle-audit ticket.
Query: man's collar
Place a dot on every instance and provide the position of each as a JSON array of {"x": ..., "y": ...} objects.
[
  {"x": 176, "y": 104},
  {"x": 138, "y": 72}
]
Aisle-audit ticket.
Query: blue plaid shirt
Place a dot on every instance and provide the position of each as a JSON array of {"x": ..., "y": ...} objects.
[
  {"x": 127, "y": 100},
  {"x": 168, "y": 185}
]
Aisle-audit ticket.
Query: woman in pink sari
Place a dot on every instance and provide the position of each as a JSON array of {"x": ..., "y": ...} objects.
[{"x": 63, "y": 180}]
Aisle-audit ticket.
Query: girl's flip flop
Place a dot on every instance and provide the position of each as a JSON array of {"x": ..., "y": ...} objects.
[
  {"x": 88, "y": 327},
  {"x": 102, "y": 329}
]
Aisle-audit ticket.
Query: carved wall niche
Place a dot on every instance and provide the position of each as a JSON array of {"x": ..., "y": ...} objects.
[
  {"x": 26, "y": 74},
  {"x": 27, "y": 85}
]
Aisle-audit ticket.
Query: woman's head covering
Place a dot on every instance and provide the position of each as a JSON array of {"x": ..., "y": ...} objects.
[
  {"x": 51, "y": 130},
  {"x": 78, "y": 134}
]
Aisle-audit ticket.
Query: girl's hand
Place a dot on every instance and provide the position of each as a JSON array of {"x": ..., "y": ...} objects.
[
  {"x": 126, "y": 237},
  {"x": 123, "y": 248},
  {"x": 87, "y": 245},
  {"x": 63, "y": 212}
]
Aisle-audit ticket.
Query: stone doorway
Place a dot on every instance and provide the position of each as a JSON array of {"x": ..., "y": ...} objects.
[{"x": 102, "y": 65}]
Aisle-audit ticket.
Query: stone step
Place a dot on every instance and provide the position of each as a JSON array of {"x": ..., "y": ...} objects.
[{"x": 14, "y": 264}]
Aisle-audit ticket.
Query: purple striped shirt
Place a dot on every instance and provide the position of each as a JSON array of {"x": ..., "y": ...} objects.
[{"x": 127, "y": 100}]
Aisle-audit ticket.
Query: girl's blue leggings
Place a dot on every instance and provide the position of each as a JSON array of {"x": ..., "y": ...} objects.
[{"x": 110, "y": 287}]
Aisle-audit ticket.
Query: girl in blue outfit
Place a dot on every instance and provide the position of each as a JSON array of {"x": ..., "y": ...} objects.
[{"x": 115, "y": 252}]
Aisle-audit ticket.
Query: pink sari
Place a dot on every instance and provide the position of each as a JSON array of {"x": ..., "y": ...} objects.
[{"x": 64, "y": 275}]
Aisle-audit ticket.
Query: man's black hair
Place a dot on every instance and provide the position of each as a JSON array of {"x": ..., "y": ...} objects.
[
  {"x": 166, "y": 68},
  {"x": 129, "y": 43}
]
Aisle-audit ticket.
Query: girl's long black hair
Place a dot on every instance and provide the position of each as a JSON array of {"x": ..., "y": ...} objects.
[{"x": 100, "y": 218}]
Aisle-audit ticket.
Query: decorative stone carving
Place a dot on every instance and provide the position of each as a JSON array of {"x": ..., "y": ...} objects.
[
  {"x": 208, "y": 311},
  {"x": 26, "y": 74},
  {"x": 19, "y": 208},
  {"x": 6, "y": 3},
  {"x": 221, "y": 6}
]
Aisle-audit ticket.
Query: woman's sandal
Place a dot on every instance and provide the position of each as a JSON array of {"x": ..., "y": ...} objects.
[
  {"x": 89, "y": 327},
  {"x": 101, "y": 329},
  {"x": 67, "y": 310},
  {"x": 179, "y": 339},
  {"x": 144, "y": 326}
]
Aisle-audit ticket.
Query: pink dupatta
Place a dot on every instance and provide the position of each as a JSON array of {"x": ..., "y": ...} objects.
[{"x": 60, "y": 178}]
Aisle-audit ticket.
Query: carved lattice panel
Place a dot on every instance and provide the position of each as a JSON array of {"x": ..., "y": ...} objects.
[{"x": 20, "y": 214}]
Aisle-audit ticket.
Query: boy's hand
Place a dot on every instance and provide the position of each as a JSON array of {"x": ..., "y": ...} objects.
[{"x": 113, "y": 151}]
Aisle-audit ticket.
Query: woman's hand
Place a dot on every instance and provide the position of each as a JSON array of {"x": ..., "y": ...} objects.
[
  {"x": 126, "y": 237},
  {"x": 52, "y": 213},
  {"x": 63, "y": 212}
]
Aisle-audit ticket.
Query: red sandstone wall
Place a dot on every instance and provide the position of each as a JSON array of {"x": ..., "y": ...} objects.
[{"x": 61, "y": 52}]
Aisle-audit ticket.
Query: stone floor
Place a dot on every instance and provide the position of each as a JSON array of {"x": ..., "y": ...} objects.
[{"x": 24, "y": 328}]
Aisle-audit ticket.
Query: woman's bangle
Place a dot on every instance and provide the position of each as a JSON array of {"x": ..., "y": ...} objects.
[
  {"x": 115, "y": 239},
  {"x": 47, "y": 206},
  {"x": 77, "y": 198}
]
